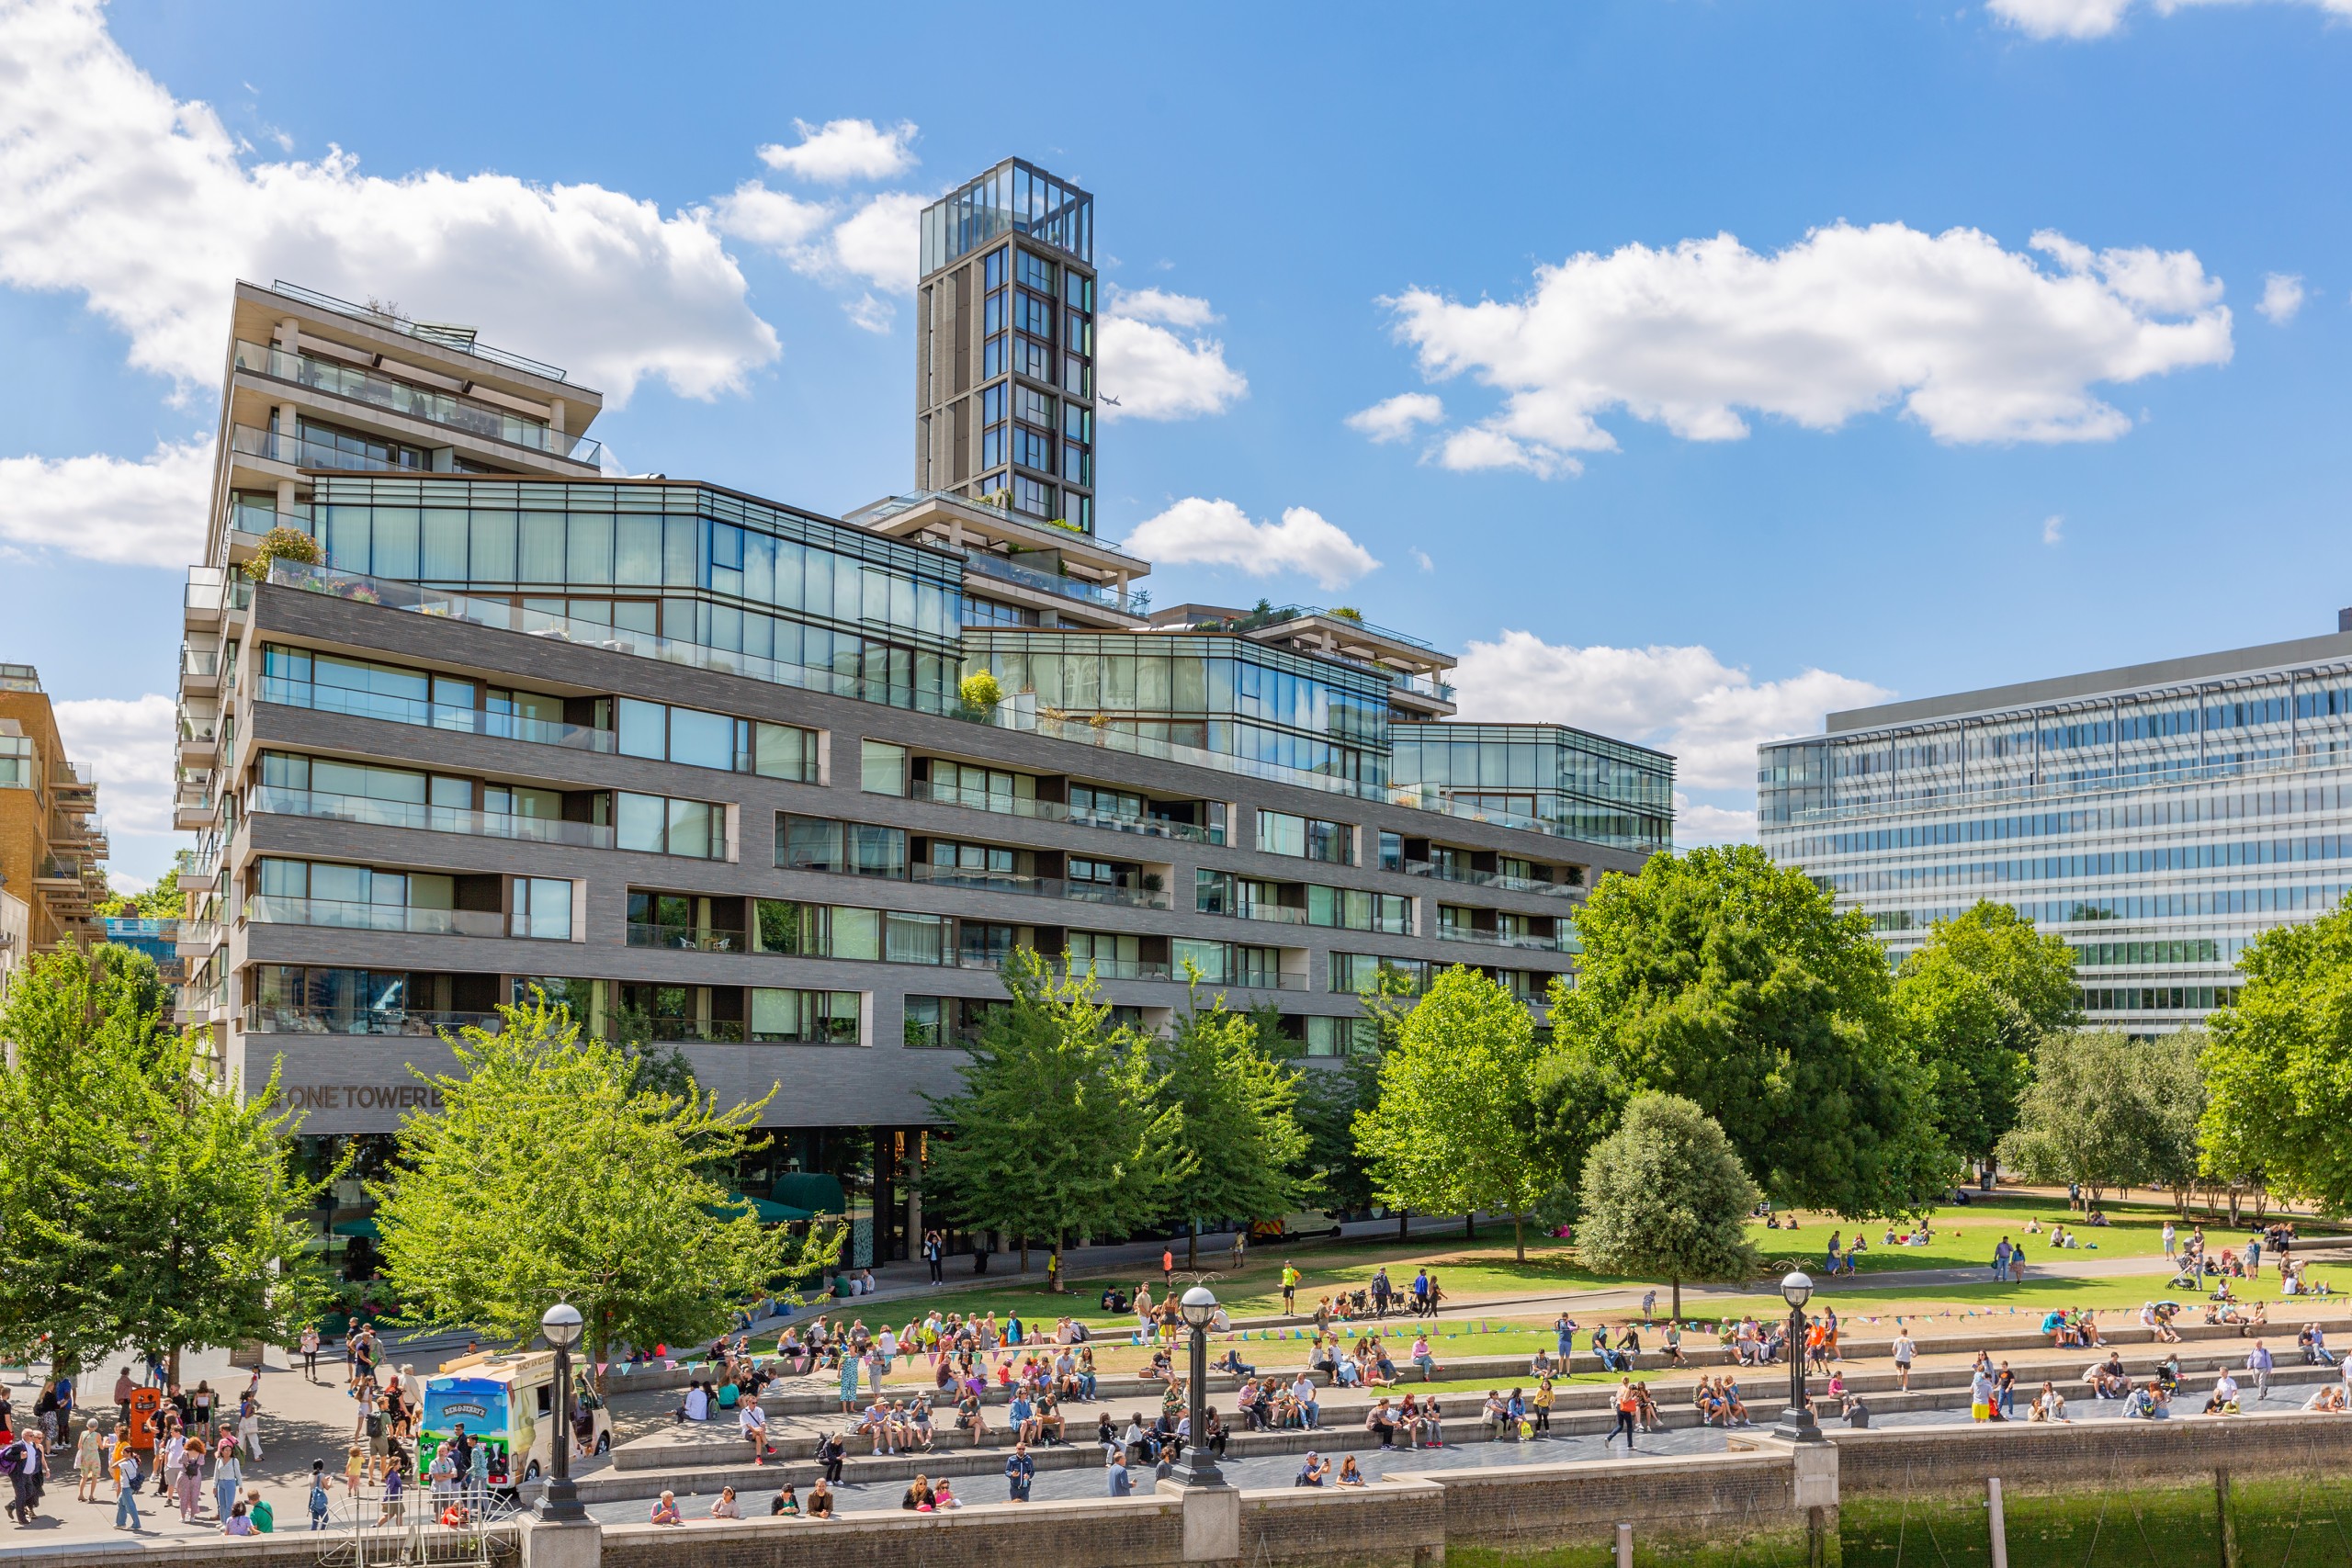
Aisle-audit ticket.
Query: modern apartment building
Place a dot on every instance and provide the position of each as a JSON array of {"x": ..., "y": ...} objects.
[
  {"x": 1004, "y": 345},
  {"x": 699, "y": 764},
  {"x": 53, "y": 842},
  {"x": 2158, "y": 816}
]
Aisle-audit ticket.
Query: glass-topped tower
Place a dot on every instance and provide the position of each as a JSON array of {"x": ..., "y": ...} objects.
[{"x": 1004, "y": 345}]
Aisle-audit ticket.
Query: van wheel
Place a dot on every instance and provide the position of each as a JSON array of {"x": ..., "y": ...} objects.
[
  {"x": 531, "y": 1470},
  {"x": 604, "y": 1442}
]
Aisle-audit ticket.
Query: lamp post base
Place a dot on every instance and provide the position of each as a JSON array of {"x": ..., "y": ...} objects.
[
  {"x": 1198, "y": 1469},
  {"x": 1797, "y": 1425}
]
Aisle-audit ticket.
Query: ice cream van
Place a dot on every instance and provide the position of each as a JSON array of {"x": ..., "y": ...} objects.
[{"x": 506, "y": 1401}]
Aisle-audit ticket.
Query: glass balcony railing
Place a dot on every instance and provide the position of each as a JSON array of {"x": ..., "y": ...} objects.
[
  {"x": 293, "y": 450},
  {"x": 322, "y": 698},
  {"x": 202, "y": 662},
  {"x": 1507, "y": 939},
  {"x": 685, "y": 939},
  {"x": 485, "y": 421},
  {"x": 291, "y": 1017},
  {"x": 1039, "y": 887},
  {"x": 1492, "y": 879},
  {"x": 992, "y": 565},
  {"x": 416, "y": 815},
  {"x": 1115, "y": 968},
  {"x": 456, "y": 340},
  {"x": 1052, "y": 811},
  {"x": 272, "y": 909},
  {"x": 1257, "y": 980}
]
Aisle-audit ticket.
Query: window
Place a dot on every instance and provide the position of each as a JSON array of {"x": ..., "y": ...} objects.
[
  {"x": 1094, "y": 800},
  {"x": 1392, "y": 851},
  {"x": 980, "y": 944},
  {"x": 1031, "y": 497},
  {"x": 783, "y": 751},
  {"x": 850, "y": 849},
  {"x": 1033, "y": 407},
  {"x": 984, "y": 859},
  {"x": 1111, "y": 955},
  {"x": 805, "y": 1018},
  {"x": 1032, "y": 449},
  {"x": 983, "y": 789},
  {"x": 932, "y": 1022},
  {"x": 1034, "y": 272},
  {"x": 1308, "y": 838},
  {"x": 690, "y": 736},
  {"x": 542, "y": 908},
  {"x": 1207, "y": 957},
  {"x": 662, "y": 825},
  {"x": 1350, "y": 908},
  {"x": 1340, "y": 1036},
  {"x": 1360, "y": 973},
  {"x": 881, "y": 768}
]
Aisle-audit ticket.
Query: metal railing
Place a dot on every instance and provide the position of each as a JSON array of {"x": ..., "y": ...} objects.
[
  {"x": 324, "y": 698},
  {"x": 275, "y": 910},
  {"x": 1470, "y": 878},
  {"x": 685, "y": 938},
  {"x": 485, "y": 421},
  {"x": 202, "y": 663},
  {"x": 992, "y": 565},
  {"x": 1505, "y": 939},
  {"x": 273, "y": 446},
  {"x": 288, "y": 1018},
  {"x": 427, "y": 818},
  {"x": 423, "y": 331},
  {"x": 1114, "y": 968},
  {"x": 1053, "y": 811},
  {"x": 1039, "y": 887}
]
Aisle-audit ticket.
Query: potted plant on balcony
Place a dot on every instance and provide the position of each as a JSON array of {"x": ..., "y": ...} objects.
[{"x": 282, "y": 543}]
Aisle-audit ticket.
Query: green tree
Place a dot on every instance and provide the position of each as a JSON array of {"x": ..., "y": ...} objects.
[
  {"x": 1972, "y": 1003},
  {"x": 1332, "y": 1093},
  {"x": 2280, "y": 1094},
  {"x": 1058, "y": 1129},
  {"x": 1234, "y": 1124},
  {"x": 1664, "y": 1196},
  {"x": 163, "y": 901},
  {"x": 142, "y": 1201},
  {"x": 1720, "y": 976},
  {"x": 2106, "y": 1110},
  {"x": 549, "y": 1174},
  {"x": 1455, "y": 1129}
]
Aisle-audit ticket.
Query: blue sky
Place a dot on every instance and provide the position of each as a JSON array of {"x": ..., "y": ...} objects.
[{"x": 1979, "y": 384}]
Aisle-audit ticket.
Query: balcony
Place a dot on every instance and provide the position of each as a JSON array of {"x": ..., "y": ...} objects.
[
  {"x": 430, "y": 715},
  {"x": 288, "y": 1018},
  {"x": 1490, "y": 879},
  {"x": 416, "y": 815},
  {"x": 193, "y": 807},
  {"x": 269, "y": 909},
  {"x": 248, "y": 441},
  {"x": 1115, "y": 969},
  {"x": 453, "y": 340},
  {"x": 199, "y": 668},
  {"x": 1051, "y": 811},
  {"x": 214, "y": 592},
  {"x": 685, "y": 939},
  {"x": 482, "y": 421},
  {"x": 55, "y": 876},
  {"x": 1039, "y": 887},
  {"x": 198, "y": 938},
  {"x": 75, "y": 781},
  {"x": 988, "y": 564},
  {"x": 199, "y": 738},
  {"x": 1505, "y": 939},
  {"x": 200, "y": 870}
]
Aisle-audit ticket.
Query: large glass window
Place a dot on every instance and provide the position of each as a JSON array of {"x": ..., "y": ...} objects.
[
  {"x": 666, "y": 825},
  {"x": 853, "y": 848},
  {"x": 1309, "y": 838},
  {"x": 805, "y": 1018}
]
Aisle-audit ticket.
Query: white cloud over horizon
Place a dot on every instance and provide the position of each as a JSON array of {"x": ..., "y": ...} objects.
[
  {"x": 1154, "y": 354},
  {"x": 843, "y": 150},
  {"x": 127, "y": 743},
  {"x": 1395, "y": 419},
  {"x": 1683, "y": 700},
  {"x": 145, "y": 206},
  {"x": 1200, "y": 532},
  {"x": 1975, "y": 342},
  {"x": 2081, "y": 19},
  {"x": 124, "y": 513}
]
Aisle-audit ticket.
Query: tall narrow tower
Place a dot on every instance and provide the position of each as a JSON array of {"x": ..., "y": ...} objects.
[{"x": 1004, "y": 345}]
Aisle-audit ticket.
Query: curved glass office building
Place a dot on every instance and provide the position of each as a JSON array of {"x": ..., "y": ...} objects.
[{"x": 2157, "y": 816}]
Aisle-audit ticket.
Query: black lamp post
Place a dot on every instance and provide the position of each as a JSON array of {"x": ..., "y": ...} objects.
[
  {"x": 1199, "y": 1308},
  {"x": 560, "y": 1503},
  {"x": 1797, "y": 1423}
]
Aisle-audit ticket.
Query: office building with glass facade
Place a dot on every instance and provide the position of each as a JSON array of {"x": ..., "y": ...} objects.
[
  {"x": 2158, "y": 817},
  {"x": 700, "y": 766}
]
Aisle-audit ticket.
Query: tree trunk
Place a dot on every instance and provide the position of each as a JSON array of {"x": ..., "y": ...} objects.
[
  {"x": 1518, "y": 1236},
  {"x": 1678, "y": 1299},
  {"x": 1192, "y": 1244},
  {"x": 1024, "y": 1255},
  {"x": 1470, "y": 1224},
  {"x": 1401, "y": 1231}
]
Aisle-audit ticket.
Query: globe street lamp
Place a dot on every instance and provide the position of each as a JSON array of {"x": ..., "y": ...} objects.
[
  {"x": 560, "y": 1503},
  {"x": 1797, "y": 1423},
  {"x": 1199, "y": 1308}
]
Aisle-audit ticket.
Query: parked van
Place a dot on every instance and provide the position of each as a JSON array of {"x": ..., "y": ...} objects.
[{"x": 508, "y": 1402}]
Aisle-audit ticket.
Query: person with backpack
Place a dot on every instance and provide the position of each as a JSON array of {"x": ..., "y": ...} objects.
[
  {"x": 190, "y": 1476},
  {"x": 319, "y": 1504},
  {"x": 126, "y": 1487}
]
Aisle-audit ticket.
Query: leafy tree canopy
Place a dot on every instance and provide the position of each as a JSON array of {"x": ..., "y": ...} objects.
[
  {"x": 551, "y": 1174},
  {"x": 2107, "y": 1111},
  {"x": 1720, "y": 976},
  {"x": 1972, "y": 1003},
  {"x": 2276, "y": 1069},
  {"x": 1235, "y": 1121},
  {"x": 1664, "y": 1197}
]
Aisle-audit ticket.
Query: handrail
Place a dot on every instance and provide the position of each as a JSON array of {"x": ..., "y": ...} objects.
[
  {"x": 1055, "y": 811},
  {"x": 422, "y": 332},
  {"x": 486, "y": 421},
  {"x": 270, "y": 800},
  {"x": 323, "y": 697},
  {"x": 268, "y": 908}
]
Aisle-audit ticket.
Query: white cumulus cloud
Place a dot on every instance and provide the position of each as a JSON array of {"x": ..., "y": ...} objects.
[
  {"x": 1195, "y": 532},
  {"x": 128, "y": 743},
  {"x": 1977, "y": 343},
  {"x": 773, "y": 220},
  {"x": 149, "y": 513},
  {"x": 2282, "y": 295},
  {"x": 2098, "y": 18},
  {"x": 872, "y": 244},
  {"x": 1696, "y": 823},
  {"x": 1155, "y": 357},
  {"x": 2054, "y": 529},
  {"x": 1395, "y": 419},
  {"x": 843, "y": 150},
  {"x": 1680, "y": 699},
  {"x": 147, "y": 207}
]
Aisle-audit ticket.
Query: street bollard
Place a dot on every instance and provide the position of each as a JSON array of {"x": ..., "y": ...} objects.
[
  {"x": 1624, "y": 1546},
  {"x": 1998, "y": 1523}
]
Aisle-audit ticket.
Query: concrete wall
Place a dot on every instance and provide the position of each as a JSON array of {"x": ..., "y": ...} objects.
[{"x": 1886, "y": 1463}]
